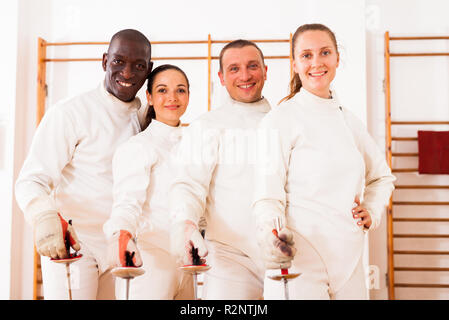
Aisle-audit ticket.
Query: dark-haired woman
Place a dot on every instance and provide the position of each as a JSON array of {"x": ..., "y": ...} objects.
[
  {"x": 142, "y": 172},
  {"x": 328, "y": 183}
]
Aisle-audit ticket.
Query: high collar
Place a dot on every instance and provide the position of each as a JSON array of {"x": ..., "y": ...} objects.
[
  {"x": 164, "y": 131},
  {"x": 261, "y": 105},
  {"x": 309, "y": 99},
  {"x": 116, "y": 103}
]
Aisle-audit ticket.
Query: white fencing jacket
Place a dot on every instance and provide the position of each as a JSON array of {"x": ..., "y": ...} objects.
[
  {"x": 69, "y": 165},
  {"x": 319, "y": 156},
  {"x": 143, "y": 172},
  {"x": 215, "y": 178}
]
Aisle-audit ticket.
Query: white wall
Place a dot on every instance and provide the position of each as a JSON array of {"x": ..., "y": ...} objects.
[
  {"x": 87, "y": 20},
  {"x": 8, "y": 21},
  {"x": 419, "y": 92}
]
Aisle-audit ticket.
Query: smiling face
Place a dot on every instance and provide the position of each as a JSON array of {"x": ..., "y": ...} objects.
[
  {"x": 169, "y": 96},
  {"x": 315, "y": 60},
  {"x": 243, "y": 74},
  {"x": 127, "y": 65}
]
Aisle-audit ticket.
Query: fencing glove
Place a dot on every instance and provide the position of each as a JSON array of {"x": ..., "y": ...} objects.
[
  {"x": 185, "y": 241},
  {"x": 122, "y": 250},
  {"x": 50, "y": 232},
  {"x": 277, "y": 249}
]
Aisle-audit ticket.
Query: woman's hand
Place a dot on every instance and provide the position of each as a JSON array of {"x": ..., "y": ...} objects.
[{"x": 362, "y": 214}]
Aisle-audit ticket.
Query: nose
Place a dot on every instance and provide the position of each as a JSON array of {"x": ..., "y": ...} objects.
[
  {"x": 127, "y": 71},
  {"x": 317, "y": 60},
  {"x": 172, "y": 95},
  {"x": 245, "y": 74}
]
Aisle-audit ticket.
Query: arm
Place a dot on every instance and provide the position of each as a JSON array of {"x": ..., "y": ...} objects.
[
  {"x": 275, "y": 145},
  {"x": 131, "y": 170},
  {"x": 53, "y": 146},
  {"x": 378, "y": 178},
  {"x": 195, "y": 162}
]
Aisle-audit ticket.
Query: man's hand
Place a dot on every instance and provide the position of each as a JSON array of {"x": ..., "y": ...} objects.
[
  {"x": 277, "y": 249},
  {"x": 50, "y": 232},
  {"x": 185, "y": 237}
]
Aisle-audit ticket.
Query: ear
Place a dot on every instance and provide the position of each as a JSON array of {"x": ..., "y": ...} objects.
[
  {"x": 266, "y": 69},
  {"x": 338, "y": 58},
  {"x": 104, "y": 61},
  {"x": 150, "y": 67},
  {"x": 149, "y": 98},
  {"x": 294, "y": 67},
  {"x": 221, "y": 76}
]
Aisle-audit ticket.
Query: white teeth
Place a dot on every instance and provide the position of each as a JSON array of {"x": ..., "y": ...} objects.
[
  {"x": 246, "y": 86},
  {"x": 317, "y": 74},
  {"x": 124, "y": 84}
]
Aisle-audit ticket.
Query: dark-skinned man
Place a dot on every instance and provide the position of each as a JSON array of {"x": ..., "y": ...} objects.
[{"x": 67, "y": 174}]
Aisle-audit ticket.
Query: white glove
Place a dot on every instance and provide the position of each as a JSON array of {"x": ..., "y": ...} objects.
[
  {"x": 277, "y": 249},
  {"x": 50, "y": 232},
  {"x": 185, "y": 236},
  {"x": 122, "y": 249}
]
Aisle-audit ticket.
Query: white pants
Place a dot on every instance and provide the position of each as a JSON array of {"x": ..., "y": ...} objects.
[
  {"x": 162, "y": 280},
  {"x": 313, "y": 283},
  {"x": 87, "y": 282},
  {"x": 233, "y": 275}
]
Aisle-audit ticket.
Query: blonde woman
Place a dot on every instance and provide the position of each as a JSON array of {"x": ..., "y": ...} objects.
[{"x": 329, "y": 182}]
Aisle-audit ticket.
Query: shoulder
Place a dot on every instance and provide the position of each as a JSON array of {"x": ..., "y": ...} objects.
[{"x": 283, "y": 113}]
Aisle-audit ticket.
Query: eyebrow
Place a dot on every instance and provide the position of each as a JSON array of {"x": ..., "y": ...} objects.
[
  {"x": 164, "y": 85},
  {"x": 119, "y": 56},
  {"x": 249, "y": 62},
  {"x": 326, "y": 47}
]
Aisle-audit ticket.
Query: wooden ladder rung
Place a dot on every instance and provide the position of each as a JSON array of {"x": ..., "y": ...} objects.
[
  {"x": 405, "y": 170},
  {"x": 420, "y": 269},
  {"x": 421, "y": 187},
  {"x": 419, "y": 122},
  {"x": 414, "y": 252},
  {"x": 404, "y": 154},
  {"x": 421, "y": 285},
  {"x": 421, "y": 203},
  {"x": 421, "y": 219},
  {"x": 435, "y": 235},
  {"x": 404, "y": 138}
]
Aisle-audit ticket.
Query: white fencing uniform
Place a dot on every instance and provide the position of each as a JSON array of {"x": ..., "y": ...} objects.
[
  {"x": 321, "y": 159},
  {"x": 216, "y": 159},
  {"x": 69, "y": 169},
  {"x": 143, "y": 172}
]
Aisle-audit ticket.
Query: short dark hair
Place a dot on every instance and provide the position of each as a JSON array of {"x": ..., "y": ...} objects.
[
  {"x": 240, "y": 43},
  {"x": 134, "y": 35}
]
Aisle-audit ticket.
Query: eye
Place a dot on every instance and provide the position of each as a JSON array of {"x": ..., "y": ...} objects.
[
  {"x": 141, "y": 67},
  {"x": 233, "y": 69},
  {"x": 117, "y": 61},
  {"x": 253, "y": 66},
  {"x": 161, "y": 90},
  {"x": 326, "y": 52},
  {"x": 306, "y": 55},
  {"x": 182, "y": 90}
]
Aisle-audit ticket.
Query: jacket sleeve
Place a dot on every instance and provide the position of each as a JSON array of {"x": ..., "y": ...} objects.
[
  {"x": 53, "y": 146},
  {"x": 195, "y": 162},
  {"x": 131, "y": 170},
  {"x": 274, "y": 148},
  {"x": 378, "y": 178}
]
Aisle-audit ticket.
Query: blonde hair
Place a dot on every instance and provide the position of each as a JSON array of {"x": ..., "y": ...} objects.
[{"x": 295, "y": 82}]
